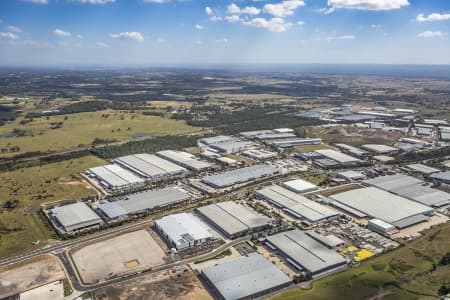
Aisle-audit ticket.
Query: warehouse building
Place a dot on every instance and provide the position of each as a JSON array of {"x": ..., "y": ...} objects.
[
  {"x": 296, "y": 142},
  {"x": 232, "y": 219},
  {"x": 185, "y": 159},
  {"x": 299, "y": 186},
  {"x": 275, "y": 135},
  {"x": 113, "y": 177},
  {"x": 372, "y": 202},
  {"x": 240, "y": 176},
  {"x": 380, "y": 226},
  {"x": 75, "y": 216},
  {"x": 150, "y": 166},
  {"x": 216, "y": 139},
  {"x": 123, "y": 206},
  {"x": 352, "y": 150},
  {"x": 330, "y": 241},
  {"x": 296, "y": 205},
  {"x": 184, "y": 231},
  {"x": 411, "y": 188},
  {"x": 351, "y": 175},
  {"x": 245, "y": 277},
  {"x": 379, "y": 149},
  {"x": 305, "y": 253},
  {"x": 328, "y": 158},
  {"x": 383, "y": 158},
  {"x": 233, "y": 146},
  {"x": 440, "y": 177},
  {"x": 259, "y": 154},
  {"x": 421, "y": 169}
]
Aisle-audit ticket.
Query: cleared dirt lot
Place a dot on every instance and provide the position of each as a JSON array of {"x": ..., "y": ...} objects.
[
  {"x": 125, "y": 253},
  {"x": 167, "y": 285},
  {"x": 21, "y": 277}
]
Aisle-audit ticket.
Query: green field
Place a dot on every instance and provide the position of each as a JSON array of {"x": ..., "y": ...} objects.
[
  {"x": 31, "y": 187},
  {"x": 82, "y": 128},
  {"x": 405, "y": 273}
]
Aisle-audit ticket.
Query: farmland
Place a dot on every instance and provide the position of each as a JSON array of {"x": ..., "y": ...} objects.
[
  {"x": 67, "y": 132},
  {"x": 24, "y": 190}
]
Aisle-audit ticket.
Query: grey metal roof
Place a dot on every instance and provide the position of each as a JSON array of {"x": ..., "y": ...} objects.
[
  {"x": 442, "y": 176},
  {"x": 381, "y": 204},
  {"x": 411, "y": 188},
  {"x": 137, "y": 202},
  {"x": 233, "y": 218},
  {"x": 149, "y": 165},
  {"x": 281, "y": 135},
  {"x": 297, "y": 204},
  {"x": 184, "y": 159},
  {"x": 245, "y": 276},
  {"x": 232, "y": 146},
  {"x": 75, "y": 215},
  {"x": 115, "y": 176},
  {"x": 330, "y": 240},
  {"x": 306, "y": 251},
  {"x": 337, "y": 156},
  {"x": 240, "y": 175},
  {"x": 379, "y": 148},
  {"x": 216, "y": 139}
]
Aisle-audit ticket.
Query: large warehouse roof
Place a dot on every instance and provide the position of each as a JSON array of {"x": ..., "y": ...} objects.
[
  {"x": 379, "y": 148},
  {"x": 411, "y": 188},
  {"x": 75, "y": 216},
  {"x": 304, "y": 252},
  {"x": 149, "y": 165},
  {"x": 382, "y": 205},
  {"x": 337, "y": 156},
  {"x": 296, "y": 204},
  {"x": 245, "y": 276},
  {"x": 299, "y": 185},
  {"x": 216, "y": 139},
  {"x": 185, "y": 159},
  {"x": 233, "y": 218},
  {"x": 137, "y": 202},
  {"x": 240, "y": 175},
  {"x": 184, "y": 228},
  {"x": 115, "y": 176}
]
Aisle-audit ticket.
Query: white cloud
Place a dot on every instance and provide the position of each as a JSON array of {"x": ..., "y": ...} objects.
[
  {"x": 134, "y": 36},
  {"x": 15, "y": 29},
  {"x": 430, "y": 34},
  {"x": 374, "y": 26},
  {"x": 301, "y": 23},
  {"x": 37, "y": 1},
  {"x": 233, "y": 18},
  {"x": 61, "y": 33},
  {"x": 161, "y": 40},
  {"x": 340, "y": 38},
  {"x": 274, "y": 24},
  {"x": 101, "y": 45},
  {"x": 199, "y": 27},
  {"x": 251, "y": 10},
  {"x": 233, "y": 9},
  {"x": 95, "y": 1},
  {"x": 215, "y": 18},
  {"x": 209, "y": 11},
  {"x": 283, "y": 9},
  {"x": 9, "y": 35},
  {"x": 433, "y": 17},
  {"x": 368, "y": 4},
  {"x": 222, "y": 41},
  {"x": 79, "y": 36}
]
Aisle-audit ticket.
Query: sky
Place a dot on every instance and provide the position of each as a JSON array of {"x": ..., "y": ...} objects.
[{"x": 180, "y": 32}]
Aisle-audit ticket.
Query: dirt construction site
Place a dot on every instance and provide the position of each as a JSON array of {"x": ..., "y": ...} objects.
[
  {"x": 126, "y": 253},
  {"x": 21, "y": 277},
  {"x": 181, "y": 285}
]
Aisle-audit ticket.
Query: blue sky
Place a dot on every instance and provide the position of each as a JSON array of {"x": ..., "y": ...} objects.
[{"x": 162, "y": 32}]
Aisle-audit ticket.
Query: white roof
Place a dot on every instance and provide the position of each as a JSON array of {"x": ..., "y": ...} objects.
[
  {"x": 180, "y": 228},
  {"x": 299, "y": 185},
  {"x": 381, "y": 204},
  {"x": 337, "y": 156},
  {"x": 379, "y": 148},
  {"x": 115, "y": 176},
  {"x": 149, "y": 165},
  {"x": 185, "y": 159}
]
